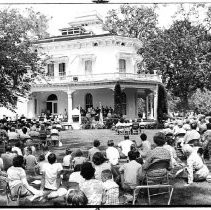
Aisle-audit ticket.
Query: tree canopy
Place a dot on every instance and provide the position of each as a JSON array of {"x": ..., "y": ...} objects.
[
  {"x": 180, "y": 53},
  {"x": 18, "y": 32}
]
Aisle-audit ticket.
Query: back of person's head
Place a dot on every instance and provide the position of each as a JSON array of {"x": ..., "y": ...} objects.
[
  {"x": 78, "y": 153},
  {"x": 42, "y": 127},
  {"x": 18, "y": 144},
  {"x": 8, "y": 148},
  {"x": 98, "y": 158},
  {"x": 200, "y": 151},
  {"x": 96, "y": 143},
  {"x": 193, "y": 125},
  {"x": 76, "y": 198},
  {"x": 126, "y": 137},
  {"x": 18, "y": 161},
  {"x": 68, "y": 151},
  {"x": 106, "y": 175},
  {"x": 170, "y": 141},
  {"x": 77, "y": 168},
  {"x": 52, "y": 158},
  {"x": 110, "y": 143},
  {"x": 24, "y": 130},
  {"x": 87, "y": 170},
  {"x": 133, "y": 147},
  {"x": 143, "y": 137},
  {"x": 45, "y": 148},
  {"x": 159, "y": 139},
  {"x": 132, "y": 155},
  {"x": 42, "y": 157},
  {"x": 210, "y": 120},
  {"x": 12, "y": 129},
  {"x": 29, "y": 149}
]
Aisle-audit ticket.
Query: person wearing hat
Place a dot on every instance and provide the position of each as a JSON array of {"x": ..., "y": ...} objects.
[{"x": 195, "y": 170}]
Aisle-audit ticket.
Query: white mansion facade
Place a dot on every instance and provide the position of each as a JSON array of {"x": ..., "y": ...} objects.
[{"x": 84, "y": 66}]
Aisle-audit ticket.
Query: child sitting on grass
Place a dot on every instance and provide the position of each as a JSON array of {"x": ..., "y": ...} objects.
[{"x": 110, "y": 189}]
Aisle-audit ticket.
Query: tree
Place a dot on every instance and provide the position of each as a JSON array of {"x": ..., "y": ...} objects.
[
  {"x": 131, "y": 21},
  {"x": 17, "y": 55},
  {"x": 201, "y": 100},
  {"x": 182, "y": 55},
  {"x": 118, "y": 100}
]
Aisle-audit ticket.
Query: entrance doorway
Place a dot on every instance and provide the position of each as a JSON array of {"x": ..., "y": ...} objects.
[{"x": 52, "y": 104}]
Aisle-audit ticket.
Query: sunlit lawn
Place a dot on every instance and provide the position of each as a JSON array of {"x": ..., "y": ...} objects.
[{"x": 196, "y": 194}]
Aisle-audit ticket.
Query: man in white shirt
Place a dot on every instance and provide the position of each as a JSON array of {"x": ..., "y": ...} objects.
[
  {"x": 51, "y": 174},
  {"x": 112, "y": 153},
  {"x": 125, "y": 145}
]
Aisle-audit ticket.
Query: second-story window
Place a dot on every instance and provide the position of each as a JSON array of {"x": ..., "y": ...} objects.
[
  {"x": 62, "y": 71},
  {"x": 50, "y": 69},
  {"x": 88, "y": 66},
  {"x": 122, "y": 65}
]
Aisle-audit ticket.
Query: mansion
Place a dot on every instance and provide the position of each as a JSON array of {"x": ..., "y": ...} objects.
[{"x": 84, "y": 65}]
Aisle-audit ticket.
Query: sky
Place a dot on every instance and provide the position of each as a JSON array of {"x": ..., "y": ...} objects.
[{"x": 63, "y": 11}]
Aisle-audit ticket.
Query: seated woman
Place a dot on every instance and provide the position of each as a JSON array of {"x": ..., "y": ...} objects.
[
  {"x": 17, "y": 177},
  {"x": 92, "y": 188},
  {"x": 196, "y": 170},
  {"x": 79, "y": 158},
  {"x": 100, "y": 164}
]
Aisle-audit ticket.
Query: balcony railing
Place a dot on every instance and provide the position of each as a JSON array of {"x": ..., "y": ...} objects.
[{"x": 104, "y": 77}]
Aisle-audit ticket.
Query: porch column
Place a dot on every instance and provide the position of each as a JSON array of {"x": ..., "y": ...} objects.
[
  {"x": 147, "y": 106},
  {"x": 155, "y": 102},
  {"x": 151, "y": 107},
  {"x": 30, "y": 107},
  {"x": 70, "y": 106}
]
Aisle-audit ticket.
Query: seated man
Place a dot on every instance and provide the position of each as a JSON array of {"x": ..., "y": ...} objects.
[
  {"x": 7, "y": 158},
  {"x": 131, "y": 172},
  {"x": 51, "y": 174},
  {"x": 125, "y": 146},
  {"x": 94, "y": 149},
  {"x": 13, "y": 134}
]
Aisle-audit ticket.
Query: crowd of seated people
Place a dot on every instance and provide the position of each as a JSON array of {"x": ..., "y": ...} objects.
[
  {"x": 95, "y": 112},
  {"x": 98, "y": 178}
]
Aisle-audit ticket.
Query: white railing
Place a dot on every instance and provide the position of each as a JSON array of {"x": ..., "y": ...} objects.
[{"x": 104, "y": 77}]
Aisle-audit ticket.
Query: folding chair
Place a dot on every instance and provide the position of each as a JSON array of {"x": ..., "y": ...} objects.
[
  {"x": 11, "y": 200},
  {"x": 127, "y": 131},
  {"x": 148, "y": 187},
  {"x": 120, "y": 130},
  {"x": 54, "y": 138},
  {"x": 157, "y": 174}
]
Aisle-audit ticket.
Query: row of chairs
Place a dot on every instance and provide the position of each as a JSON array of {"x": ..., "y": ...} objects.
[{"x": 127, "y": 131}]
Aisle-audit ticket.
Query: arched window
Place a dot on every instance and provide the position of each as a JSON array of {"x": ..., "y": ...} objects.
[
  {"x": 88, "y": 100},
  {"x": 52, "y": 97},
  {"x": 124, "y": 104}
]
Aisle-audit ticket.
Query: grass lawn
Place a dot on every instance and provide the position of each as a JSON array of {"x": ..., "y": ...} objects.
[{"x": 198, "y": 194}]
